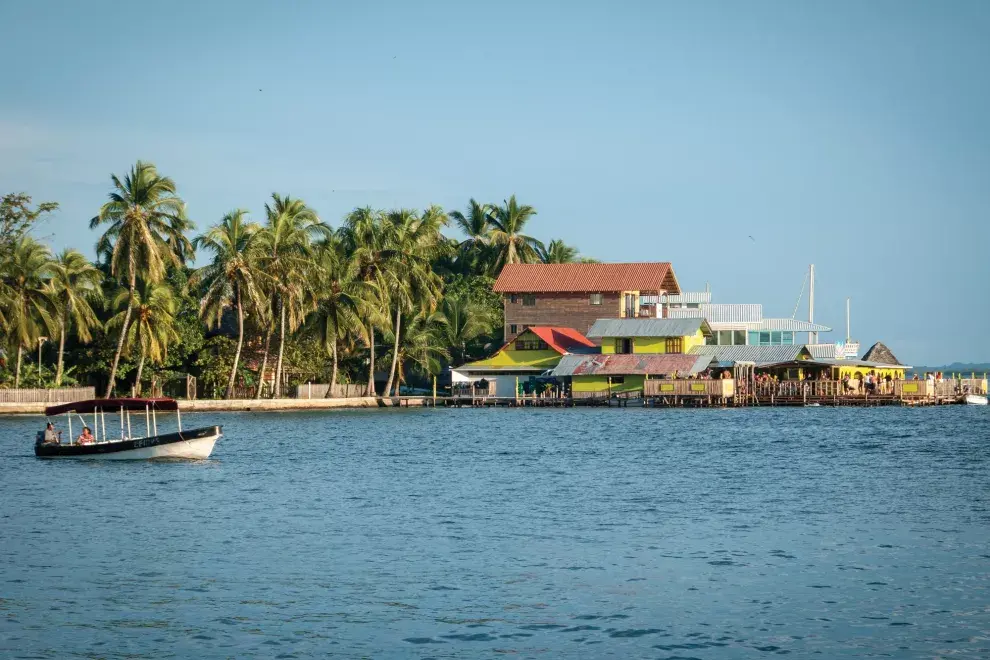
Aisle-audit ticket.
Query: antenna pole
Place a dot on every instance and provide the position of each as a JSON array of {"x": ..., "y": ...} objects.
[
  {"x": 812, "y": 336},
  {"x": 848, "y": 334}
]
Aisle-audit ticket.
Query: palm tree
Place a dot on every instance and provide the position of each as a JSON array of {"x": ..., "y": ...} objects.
[
  {"x": 285, "y": 246},
  {"x": 75, "y": 283},
  {"x": 476, "y": 248},
  {"x": 336, "y": 299},
  {"x": 464, "y": 321},
  {"x": 230, "y": 279},
  {"x": 26, "y": 273},
  {"x": 557, "y": 252},
  {"x": 153, "y": 308},
  {"x": 512, "y": 246},
  {"x": 422, "y": 344},
  {"x": 145, "y": 236}
]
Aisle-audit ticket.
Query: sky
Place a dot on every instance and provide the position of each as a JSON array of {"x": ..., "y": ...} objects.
[{"x": 742, "y": 141}]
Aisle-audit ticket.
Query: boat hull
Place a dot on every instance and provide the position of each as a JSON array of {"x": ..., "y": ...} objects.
[
  {"x": 975, "y": 400},
  {"x": 194, "y": 444}
]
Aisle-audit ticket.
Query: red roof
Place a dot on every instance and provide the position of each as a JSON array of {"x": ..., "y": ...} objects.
[
  {"x": 563, "y": 340},
  {"x": 111, "y": 405},
  {"x": 651, "y": 277}
]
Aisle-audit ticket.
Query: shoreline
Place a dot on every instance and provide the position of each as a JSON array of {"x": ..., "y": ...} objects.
[{"x": 256, "y": 405}]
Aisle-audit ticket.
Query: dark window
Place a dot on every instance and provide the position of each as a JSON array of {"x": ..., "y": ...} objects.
[
  {"x": 512, "y": 298},
  {"x": 739, "y": 337},
  {"x": 713, "y": 340},
  {"x": 597, "y": 298},
  {"x": 675, "y": 345},
  {"x": 512, "y": 329},
  {"x": 618, "y": 380},
  {"x": 529, "y": 300},
  {"x": 764, "y": 339},
  {"x": 531, "y": 345},
  {"x": 623, "y": 345}
]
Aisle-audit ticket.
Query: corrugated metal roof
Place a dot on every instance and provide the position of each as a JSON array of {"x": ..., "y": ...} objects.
[
  {"x": 587, "y": 278},
  {"x": 822, "y": 351},
  {"x": 756, "y": 354},
  {"x": 631, "y": 364},
  {"x": 648, "y": 327},
  {"x": 795, "y": 325},
  {"x": 722, "y": 313}
]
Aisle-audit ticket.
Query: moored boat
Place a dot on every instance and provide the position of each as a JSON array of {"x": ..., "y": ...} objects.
[
  {"x": 975, "y": 399},
  {"x": 128, "y": 444}
]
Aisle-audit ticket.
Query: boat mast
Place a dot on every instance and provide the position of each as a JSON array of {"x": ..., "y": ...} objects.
[
  {"x": 848, "y": 334},
  {"x": 812, "y": 336}
]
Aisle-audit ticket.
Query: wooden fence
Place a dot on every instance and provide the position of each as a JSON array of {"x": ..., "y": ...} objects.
[
  {"x": 719, "y": 387},
  {"x": 61, "y": 395},
  {"x": 319, "y": 390}
]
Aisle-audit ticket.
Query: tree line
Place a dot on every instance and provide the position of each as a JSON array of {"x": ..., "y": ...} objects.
[{"x": 386, "y": 290}]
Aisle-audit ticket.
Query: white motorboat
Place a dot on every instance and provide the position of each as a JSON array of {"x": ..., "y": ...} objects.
[
  {"x": 975, "y": 399},
  {"x": 97, "y": 443}
]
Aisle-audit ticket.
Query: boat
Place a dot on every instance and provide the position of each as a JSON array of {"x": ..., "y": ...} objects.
[
  {"x": 128, "y": 444},
  {"x": 975, "y": 399}
]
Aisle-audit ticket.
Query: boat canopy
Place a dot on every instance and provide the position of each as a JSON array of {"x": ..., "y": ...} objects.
[{"x": 111, "y": 405}]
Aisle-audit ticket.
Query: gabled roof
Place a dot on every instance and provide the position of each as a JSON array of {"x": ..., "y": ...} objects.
[
  {"x": 759, "y": 355},
  {"x": 881, "y": 354},
  {"x": 653, "y": 277},
  {"x": 631, "y": 364},
  {"x": 563, "y": 340},
  {"x": 648, "y": 327}
]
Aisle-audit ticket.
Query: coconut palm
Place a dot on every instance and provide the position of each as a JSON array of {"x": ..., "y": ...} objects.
[
  {"x": 336, "y": 299},
  {"x": 74, "y": 285},
  {"x": 557, "y": 252},
  {"x": 474, "y": 251},
  {"x": 464, "y": 321},
  {"x": 27, "y": 299},
  {"x": 421, "y": 346},
  {"x": 231, "y": 278},
  {"x": 511, "y": 245},
  {"x": 150, "y": 314},
  {"x": 145, "y": 235},
  {"x": 285, "y": 246}
]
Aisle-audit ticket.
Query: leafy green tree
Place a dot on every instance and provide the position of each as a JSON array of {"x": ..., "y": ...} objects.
[
  {"x": 74, "y": 285},
  {"x": 17, "y": 217},
  {"x": 285, "y": 248},
  {"x": 26, "y": 270},
  {"x": 557, "y": 252},
  {"x": 464, "y": 321},
  {"x": 230, "y": 279},
  {"x": 475, "y": 252},
  {"x": 146, "y": 224},
  {"x": 511, "y": 244},
  {"x": 153, "y": 308}
]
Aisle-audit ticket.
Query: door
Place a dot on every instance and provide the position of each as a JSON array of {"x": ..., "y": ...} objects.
[{"x": 630, "y": 305}]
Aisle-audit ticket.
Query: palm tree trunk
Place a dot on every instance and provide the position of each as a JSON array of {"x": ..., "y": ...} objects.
[
  {"x": 61, "y": 351},
  {"x": 371, "y": 365},
  {"x": 395, "y": 351},
  {"x": 399, "y": 377},
  {"x": 120, "y": 341},
  {"x": 140, "y": 369},
  {"x": 277, "y": 389},
  {"x": 240, "y": 343},
  {"x": 17, "y": 371},
  {"x": 333, "y": 373},
  {"x": 264, "y": 364}
]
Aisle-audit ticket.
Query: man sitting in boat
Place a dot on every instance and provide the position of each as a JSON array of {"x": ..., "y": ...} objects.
[
  {"x": 50, "y": 436},
  {"x": 86, "y": 437}
]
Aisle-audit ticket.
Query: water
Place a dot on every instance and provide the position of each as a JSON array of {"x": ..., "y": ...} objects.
[{"x": 542, "y": 533}]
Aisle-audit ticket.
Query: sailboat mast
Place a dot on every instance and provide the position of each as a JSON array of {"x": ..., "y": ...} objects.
[{"x": 812, "y": 336}]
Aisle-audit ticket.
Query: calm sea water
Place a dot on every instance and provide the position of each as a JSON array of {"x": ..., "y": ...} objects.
[{"x": 543, "y": 533}]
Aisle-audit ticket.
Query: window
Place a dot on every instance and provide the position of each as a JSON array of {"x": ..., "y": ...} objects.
[
  {"x": 693, "y": 306},
  {"x": 764, "y": 339},
  {"x": 531, "y": 345},
  {"x": 675, "y": 345},
  {"x": 618, "y": 380},
  {"x": 725, "y": 337},
  {"x": 512, "y": 299},
  {"x": 597, "y": 298},
  {"x": 739, "y": 337},
  {"x": 713, "y": 340},
  {"x": 529, "y": 300},
  {"x": 787, "y": 338},
  {"x": 775, "y": 338},
  {"x": 623, "y": 345},
  {"x": 512, "y": 329}
]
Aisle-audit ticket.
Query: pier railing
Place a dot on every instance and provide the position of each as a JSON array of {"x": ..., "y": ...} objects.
[
  {"x": 722, "y": 387},
  {"x": 40, "y": 395}
]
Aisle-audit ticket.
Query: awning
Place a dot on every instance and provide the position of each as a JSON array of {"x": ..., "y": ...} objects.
[{"x": 111, "y": 405}]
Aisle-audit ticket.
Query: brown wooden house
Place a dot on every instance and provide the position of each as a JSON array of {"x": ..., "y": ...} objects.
[{"x": 577, "y": 295}]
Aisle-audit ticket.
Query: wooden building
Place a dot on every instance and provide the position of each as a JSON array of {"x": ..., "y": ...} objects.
[{"x": 577, "y": 295}]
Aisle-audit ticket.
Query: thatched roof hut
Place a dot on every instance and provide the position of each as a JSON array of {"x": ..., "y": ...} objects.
[{"x": 880, "y": 354}]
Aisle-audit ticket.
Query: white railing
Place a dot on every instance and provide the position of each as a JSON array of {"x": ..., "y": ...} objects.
[{"x": 41, "y": 395}]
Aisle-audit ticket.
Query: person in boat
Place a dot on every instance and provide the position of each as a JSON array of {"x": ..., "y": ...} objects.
[
  {"x": 51, "y": 436},
  {"x": 86, "y": 437}
]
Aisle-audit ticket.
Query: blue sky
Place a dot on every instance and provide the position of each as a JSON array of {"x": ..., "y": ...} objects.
[{"x": 852, "y": 135}]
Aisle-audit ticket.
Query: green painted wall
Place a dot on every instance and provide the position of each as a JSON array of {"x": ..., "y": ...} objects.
[{"x": 600, "y": 384}]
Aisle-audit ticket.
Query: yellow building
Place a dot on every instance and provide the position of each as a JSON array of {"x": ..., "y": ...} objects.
[{"x": 634, "y": 350}]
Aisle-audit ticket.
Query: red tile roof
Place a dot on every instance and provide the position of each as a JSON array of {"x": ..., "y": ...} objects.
[
  {"x": 651, "y": 277},
  {"x": 563, "y": 340}
]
